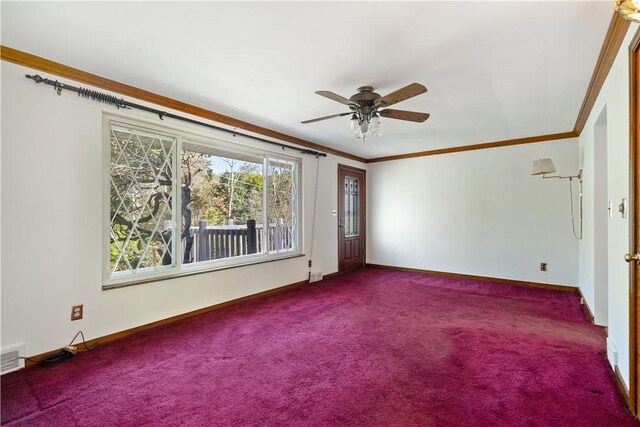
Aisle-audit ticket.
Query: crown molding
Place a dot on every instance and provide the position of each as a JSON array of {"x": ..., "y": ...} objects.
[
  {"x": 496, "y": 144},
  {"x": 42, "y": 64},
  {"x": 613, "y": 40},
  {"x": 611, "y": 46}
]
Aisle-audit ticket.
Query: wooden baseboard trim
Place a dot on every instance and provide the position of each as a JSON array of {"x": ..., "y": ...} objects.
[
  {"x": 122, "y": 334},
  {"x": 564, "y": 288},
  {"x": 621, "y": 387},
  {"x": 585, "y": 307},
  {"x": 332, "y": 275}
]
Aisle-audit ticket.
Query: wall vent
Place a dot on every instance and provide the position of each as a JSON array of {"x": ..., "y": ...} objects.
[
  {"x": 315, "y": 276},
  {"x": 10, "y": 359}
]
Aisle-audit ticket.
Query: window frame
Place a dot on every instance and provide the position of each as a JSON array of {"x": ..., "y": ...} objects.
[{"x": 216, "y": 140}]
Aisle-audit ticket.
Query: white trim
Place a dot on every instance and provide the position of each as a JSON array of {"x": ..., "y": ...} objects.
[
  {"x": 177, "y": 206},
  {"x": 150, "y": 279},
  {"x": 265, "y": 197},
  {"x": 213, "y": 139}
]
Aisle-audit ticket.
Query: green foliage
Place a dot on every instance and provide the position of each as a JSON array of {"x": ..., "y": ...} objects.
[
  {"x": 142, "y": 194},
  {"x": 238, "y": 196},
  {"x": 280, "y": 192},
  {"x": 235, "y": 194}
]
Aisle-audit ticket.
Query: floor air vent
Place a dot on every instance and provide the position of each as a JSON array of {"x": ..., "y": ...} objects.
[
  {"x": 10, "y": 359},
  {"x": 315, "y": 276}
]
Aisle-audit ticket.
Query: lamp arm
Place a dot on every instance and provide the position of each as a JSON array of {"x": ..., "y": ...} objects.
[
  {"x": 570, "y": 178},
  {"x": 579, "y": 176},
  {"x": 562, "y": 177}
]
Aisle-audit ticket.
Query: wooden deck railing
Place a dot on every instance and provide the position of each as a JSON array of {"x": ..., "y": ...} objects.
[{"x": 224, "y": 241}]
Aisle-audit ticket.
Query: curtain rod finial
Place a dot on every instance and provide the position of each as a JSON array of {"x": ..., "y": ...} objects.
[{"x": 35, "y": 78}]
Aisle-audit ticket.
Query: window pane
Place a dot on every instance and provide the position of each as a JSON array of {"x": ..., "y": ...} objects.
[
  {"x": 221, "y": 204},
  {"x": 282, "y": 205},
  {"x": 236, "y": 203},
  {"x": 351, "y": 206},
  {"x": 141, "y": 214}
]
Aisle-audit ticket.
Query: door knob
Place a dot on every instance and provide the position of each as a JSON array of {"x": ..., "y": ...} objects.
[{"x": 632, "y": 257}]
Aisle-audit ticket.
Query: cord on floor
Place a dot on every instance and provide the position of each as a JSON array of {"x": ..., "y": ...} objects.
[{"x": 64, "y": 353}]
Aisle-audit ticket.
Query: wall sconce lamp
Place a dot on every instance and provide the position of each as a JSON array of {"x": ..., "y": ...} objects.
[
  {"x": 629, "y": 9},
  {"x": 543, "y": 167}
]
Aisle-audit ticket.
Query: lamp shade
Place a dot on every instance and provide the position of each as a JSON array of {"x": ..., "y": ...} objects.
[{"x": 542, "y": 166}]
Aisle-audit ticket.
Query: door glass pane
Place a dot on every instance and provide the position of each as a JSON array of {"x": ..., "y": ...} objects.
[{"x": 351, "y": 208}]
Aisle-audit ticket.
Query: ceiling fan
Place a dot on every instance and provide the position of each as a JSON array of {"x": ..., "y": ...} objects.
[{"x": 367, "y": 107}]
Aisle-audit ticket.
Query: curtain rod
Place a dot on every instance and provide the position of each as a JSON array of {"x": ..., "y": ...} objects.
[{"x": 122, "y": 103}]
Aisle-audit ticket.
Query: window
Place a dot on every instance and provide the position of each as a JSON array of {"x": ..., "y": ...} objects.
[
  {"x": 232, "y": 205},
  {"x": 142, "y": 187},
  {"x": 282, "y": 212},
  {"x": 222, "y": 204}
]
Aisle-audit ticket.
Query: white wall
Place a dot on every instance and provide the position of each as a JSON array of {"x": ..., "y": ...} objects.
[
  {"x": 52, "y": 227},
  {"x": 600, "y": 212},
  {"x": 476, "y": 212},
  {"x": 614, "y": 96}
]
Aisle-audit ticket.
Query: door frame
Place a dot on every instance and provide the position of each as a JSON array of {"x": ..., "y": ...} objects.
[
  {"x": 363, "y": 213},
  {"x": 634, "y": 223}
]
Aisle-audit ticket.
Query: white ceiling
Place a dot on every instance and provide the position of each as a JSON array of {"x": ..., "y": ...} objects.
[{"x": 494, "y": 70}]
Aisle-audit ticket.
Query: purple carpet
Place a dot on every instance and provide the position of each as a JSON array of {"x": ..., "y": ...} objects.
[{"x": 370, "y": 348}]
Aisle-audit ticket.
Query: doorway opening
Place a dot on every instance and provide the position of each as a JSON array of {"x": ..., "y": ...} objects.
[{"x": 601, "y": 214}]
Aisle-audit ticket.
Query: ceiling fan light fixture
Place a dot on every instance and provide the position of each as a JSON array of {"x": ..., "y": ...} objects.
[
  {"x": 367, "y": 107},
  {"x": 629, "y": 9},
  {"x": 364, "y": 127},
  {"x": 375, "y": 125},
  {"x": 355, "y": 125}
]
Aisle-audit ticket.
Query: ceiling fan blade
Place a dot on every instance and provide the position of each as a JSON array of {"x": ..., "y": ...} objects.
[
  {"x": 326, "y": 117},
  {"x": 414, "y": 89},
  {"x": 335, "y": 97},
  {"x": 411, "y": 116}
]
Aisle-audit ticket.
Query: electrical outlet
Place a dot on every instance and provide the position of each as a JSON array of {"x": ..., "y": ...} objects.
[
  {"x": 543, "y": 266},
  {"x": 76, "y": 312}
]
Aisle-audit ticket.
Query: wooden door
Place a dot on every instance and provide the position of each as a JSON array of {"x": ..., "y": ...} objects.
[
  {"x": 634, "y": 219},
  {"x": 351, "y": 218}
]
